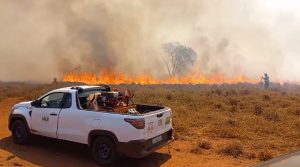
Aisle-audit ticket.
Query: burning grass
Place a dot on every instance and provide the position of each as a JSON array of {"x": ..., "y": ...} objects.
[
  {"x": 108, "y": 76},
  {"x": 242, "y": 120}
]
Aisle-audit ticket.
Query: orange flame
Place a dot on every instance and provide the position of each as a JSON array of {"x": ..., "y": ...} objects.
[{"x": 109, "y": 77}]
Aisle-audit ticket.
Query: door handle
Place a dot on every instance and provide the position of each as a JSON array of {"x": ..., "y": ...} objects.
[{"x": 53, "y": 114}]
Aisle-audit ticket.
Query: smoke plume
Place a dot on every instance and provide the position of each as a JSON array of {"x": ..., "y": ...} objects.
[{"x": 45, "y": 39}]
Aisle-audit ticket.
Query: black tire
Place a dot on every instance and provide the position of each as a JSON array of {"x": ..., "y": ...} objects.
[
  {"x": 103, "y": 151},
  {"x": 20, "y": 132}
]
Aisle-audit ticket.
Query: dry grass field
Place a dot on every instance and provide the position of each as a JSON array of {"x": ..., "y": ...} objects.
[{"x": 225, "y": 125}]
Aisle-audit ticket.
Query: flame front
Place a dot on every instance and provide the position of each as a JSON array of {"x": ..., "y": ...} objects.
[{"x": 110, "y": 77}]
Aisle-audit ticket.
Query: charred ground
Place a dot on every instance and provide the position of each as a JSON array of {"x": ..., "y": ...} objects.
[{"x": 224, "y": 125}]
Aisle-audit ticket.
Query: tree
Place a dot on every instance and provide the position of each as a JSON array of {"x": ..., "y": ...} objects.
[{"x": 178, "y": 57}]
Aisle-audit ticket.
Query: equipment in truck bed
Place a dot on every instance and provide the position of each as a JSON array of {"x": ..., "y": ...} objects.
[
  {"x": 112, "y": 101},
  {"x": 124, "y": 109}
]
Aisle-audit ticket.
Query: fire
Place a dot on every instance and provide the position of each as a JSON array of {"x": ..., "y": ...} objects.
[{"x": 109, "y": 77}]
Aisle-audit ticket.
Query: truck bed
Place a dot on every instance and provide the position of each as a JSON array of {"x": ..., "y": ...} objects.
[
  {"x": 140, "y": 108},
  {"x": 143, "y": 108}
]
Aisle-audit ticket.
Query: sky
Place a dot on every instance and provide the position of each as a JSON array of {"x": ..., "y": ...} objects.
[{"x": 48, "y": 38}]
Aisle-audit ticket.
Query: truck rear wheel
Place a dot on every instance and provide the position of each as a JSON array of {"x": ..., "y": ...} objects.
[
  {"x": 103, "y": 151},
  {"x": 20, "y": 132}
]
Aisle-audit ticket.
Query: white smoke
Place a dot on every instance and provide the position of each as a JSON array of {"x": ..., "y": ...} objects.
[{"x": 43, "y": 39}]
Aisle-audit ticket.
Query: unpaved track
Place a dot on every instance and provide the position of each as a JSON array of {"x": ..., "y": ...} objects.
[{"x": 52, "y": 153}]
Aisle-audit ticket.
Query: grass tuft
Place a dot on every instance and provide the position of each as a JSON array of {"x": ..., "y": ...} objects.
[
  {"x": 234, "y": 149},
  {"x": 264, "y": 156},
  {"x": 258, "y": 110}
]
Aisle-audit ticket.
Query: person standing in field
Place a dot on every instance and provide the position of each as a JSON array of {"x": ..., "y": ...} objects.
[{"x": 266, "y": 80}]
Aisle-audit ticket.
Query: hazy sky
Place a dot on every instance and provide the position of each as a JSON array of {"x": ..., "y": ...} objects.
[
  {"x": 282, "y": 19},
  {"x": 45, "y": 39}
]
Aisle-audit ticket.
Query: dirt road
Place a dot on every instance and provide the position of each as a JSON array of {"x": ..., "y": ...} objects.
[
  {"x": 53, "y": 153},
  {"x": 288, "y": 160}
]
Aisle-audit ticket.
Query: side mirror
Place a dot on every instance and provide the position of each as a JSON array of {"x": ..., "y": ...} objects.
[{"x": 35, "y": 103}]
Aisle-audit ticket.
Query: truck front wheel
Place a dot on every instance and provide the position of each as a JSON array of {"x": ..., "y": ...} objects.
[
  {"x": 20, "y": 132},
  {"x": 103, "y": 151}
]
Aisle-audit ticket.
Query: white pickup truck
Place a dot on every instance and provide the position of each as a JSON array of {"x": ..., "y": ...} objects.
[{"x": 62, "y": 114}]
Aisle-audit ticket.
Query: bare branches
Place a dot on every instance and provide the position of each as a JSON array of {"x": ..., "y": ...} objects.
[
  {"x": 178, "y": 55},
  {"x": 167, "y": 64}
]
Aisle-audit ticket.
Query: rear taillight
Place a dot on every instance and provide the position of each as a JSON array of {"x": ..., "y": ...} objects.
[{"x": 137, "y": 123}]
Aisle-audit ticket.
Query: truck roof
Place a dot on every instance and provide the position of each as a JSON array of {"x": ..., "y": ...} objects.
[{"x": 83, "y": 87}]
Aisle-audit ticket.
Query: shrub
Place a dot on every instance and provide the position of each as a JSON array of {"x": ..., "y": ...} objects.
[
  {"x": 258, "y": 110},
  {"x": 297, "y": 112},
  {"x": 231, "y": 122},
  {"x": 264, "y": 156},
  {"x": 218, "y": 106},
  {"x": 250, "y": 155},
  {"x": 234, "y": 109},
  {"x": 233, "y": 149},
  {"x": 196, "y": 150},
  {"x": 204, "y": 145},
  {"x": 285, "y": 104},
  {"x": 274, "y": 117}
]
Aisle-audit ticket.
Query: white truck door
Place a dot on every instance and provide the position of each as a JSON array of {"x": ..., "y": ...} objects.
[
  {"x": 45, "y": 115},
  {"x": 73, "y": 124}
]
